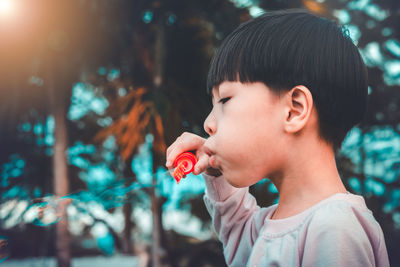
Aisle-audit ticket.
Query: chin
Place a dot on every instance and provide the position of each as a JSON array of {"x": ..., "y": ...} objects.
[
  {"x": 233, "y": 184},
  {"x": 238, "y": 183}
]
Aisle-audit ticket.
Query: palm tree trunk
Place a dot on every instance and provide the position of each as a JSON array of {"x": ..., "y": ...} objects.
[
  {"x": 127, "y": 247},
  {"x": 60, "y": 172},
  {"x": 127, "y": 244},
  {"x": 157, "y": 234}
]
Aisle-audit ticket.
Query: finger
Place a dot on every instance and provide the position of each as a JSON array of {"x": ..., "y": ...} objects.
[
  {"x": 183, "y": 144},
  {"x": 201, "y": 165},
  {"x": 184, "y": 136},
  {"x": 169, "y": 149}
]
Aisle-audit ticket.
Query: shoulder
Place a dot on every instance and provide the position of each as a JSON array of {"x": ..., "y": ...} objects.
[
  {"x": 337, "y": 214},
  {"x": 344, "y": 210},
  {"x": 344, "y": 233},
  {"x": 343, "y": 220}
]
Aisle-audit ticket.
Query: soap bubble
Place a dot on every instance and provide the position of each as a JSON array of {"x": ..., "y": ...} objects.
[
  {"x": 48, "y": 210},
  {"x": 119, "y": 195},
  {"x": 3, "y": 248}
]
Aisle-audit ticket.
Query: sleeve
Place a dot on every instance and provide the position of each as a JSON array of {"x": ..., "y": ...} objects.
[
  {"x": 236, "y": 218},
  {"x": 336, "y": 237}
]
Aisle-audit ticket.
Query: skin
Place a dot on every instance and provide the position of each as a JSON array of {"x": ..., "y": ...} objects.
[{"x": 255, "y": 133}]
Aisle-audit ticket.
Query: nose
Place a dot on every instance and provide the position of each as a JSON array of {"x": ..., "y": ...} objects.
[{"x": 210, "y": 124}]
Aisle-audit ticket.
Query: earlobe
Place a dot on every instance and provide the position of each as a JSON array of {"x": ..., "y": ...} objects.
[{"x": 299, "y": 107}]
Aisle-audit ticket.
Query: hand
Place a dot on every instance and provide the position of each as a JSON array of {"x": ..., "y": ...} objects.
[{"x": 189, "y": 142}]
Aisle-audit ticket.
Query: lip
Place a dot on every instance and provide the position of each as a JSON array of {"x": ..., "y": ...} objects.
[{"x": 212, "y": 162}]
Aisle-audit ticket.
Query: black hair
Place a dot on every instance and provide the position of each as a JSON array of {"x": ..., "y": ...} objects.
[{"x": 293, "y": 47}]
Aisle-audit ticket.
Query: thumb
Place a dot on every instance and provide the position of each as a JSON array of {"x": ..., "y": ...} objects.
[{"x": 201, "y": 165}]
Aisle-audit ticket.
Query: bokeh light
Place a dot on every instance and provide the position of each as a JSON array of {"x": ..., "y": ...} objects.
[{"x": 48, "y": 210}]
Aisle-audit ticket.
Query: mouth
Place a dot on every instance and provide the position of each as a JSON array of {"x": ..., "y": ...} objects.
[{"x": 212, "y": 162}]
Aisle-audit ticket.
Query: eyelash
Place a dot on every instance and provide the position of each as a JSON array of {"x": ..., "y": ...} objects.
[{"x": 224, "y": 100}]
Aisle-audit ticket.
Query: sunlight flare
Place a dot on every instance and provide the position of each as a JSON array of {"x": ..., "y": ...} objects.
[{"x": 7, "y": 7}]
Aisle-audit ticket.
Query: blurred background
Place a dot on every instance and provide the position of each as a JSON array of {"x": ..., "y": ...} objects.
[{"x": 93, "y": 91}]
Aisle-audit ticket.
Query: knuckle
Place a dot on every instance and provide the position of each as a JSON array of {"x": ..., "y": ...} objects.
[
  {"x": 197, "y": 140},
  {"x": 179, "y": 147}
]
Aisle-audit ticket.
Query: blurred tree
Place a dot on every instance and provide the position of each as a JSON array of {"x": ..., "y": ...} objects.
[{"x": 55, "y": 49}]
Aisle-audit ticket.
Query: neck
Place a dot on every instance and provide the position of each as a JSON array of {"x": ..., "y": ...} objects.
[{"x": 307, "y": 180}]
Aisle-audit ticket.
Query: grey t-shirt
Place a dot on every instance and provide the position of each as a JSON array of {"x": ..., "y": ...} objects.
[{"x": 338, "y": 231}]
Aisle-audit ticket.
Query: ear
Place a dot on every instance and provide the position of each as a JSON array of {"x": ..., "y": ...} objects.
[{"x": 298, "y": 108}]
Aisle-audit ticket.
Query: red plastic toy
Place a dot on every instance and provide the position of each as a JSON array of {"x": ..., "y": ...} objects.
[{"x": 184, "y": 164}]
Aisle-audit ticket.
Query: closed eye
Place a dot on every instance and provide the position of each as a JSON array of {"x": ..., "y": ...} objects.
[{"x": 224, "y": 100}]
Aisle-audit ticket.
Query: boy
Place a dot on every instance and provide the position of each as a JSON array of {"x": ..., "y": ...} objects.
[{"x": 286, "y": 88}]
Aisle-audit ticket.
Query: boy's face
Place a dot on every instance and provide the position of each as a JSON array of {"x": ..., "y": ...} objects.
[{"x": 245, "y": 128}]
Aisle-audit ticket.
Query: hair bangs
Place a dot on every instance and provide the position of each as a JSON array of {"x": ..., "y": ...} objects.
[
  {"x": 253, "y": 53},
  {"x": 230, "y": 62}
]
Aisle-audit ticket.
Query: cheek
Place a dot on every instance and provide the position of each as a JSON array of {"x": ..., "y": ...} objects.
[
  {"x": 243, "y": 134},
  {"x": 250, "y": 150}
]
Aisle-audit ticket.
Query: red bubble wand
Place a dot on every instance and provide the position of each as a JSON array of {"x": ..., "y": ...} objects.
[{"x": 184, "y": 164}]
